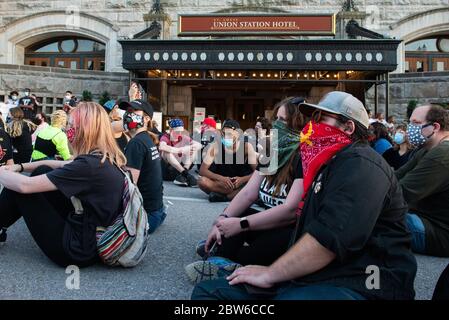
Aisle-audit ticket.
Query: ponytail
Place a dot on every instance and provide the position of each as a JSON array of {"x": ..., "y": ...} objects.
[{"x": 153, "y": 136}]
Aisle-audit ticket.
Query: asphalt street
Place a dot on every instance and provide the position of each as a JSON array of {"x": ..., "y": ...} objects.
[{"x": 25, "y": 273}]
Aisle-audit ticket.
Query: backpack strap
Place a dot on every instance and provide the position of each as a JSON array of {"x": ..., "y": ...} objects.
[{"x": 77, "y": 205}]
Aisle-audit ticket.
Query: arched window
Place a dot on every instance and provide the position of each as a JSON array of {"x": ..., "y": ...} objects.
[
  {"x": 67, "y": 52},
  {"x": 430, "y": 54}
]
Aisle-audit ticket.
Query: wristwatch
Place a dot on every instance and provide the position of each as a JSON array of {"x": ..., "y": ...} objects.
[{"x": 244, "y": 224}]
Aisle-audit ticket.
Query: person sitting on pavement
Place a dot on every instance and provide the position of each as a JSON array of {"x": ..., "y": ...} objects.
[
  {"x": 143, "y": 160},
  {"x": 400, "y": 153},
  {"x": 228, "y": 164},
  {"x": 262, "y": 128},
  {"x": 382, "y": 141},
  {"x": 51, "y": 142},
  {"x": 11, "y": 101},
  {"x": 2, "y": 123},
  {"x": 425, "y": 180},
  {"x": 208, "y": 131},
  {"x": 20, "y": 131},
  {"x": 5, "y": 149},
  {"x": 278, "y": 185},
  {"x": 178, "y": 152},
  {"x": 41, "y": 121},
  {"x": 351, "y": 224},
  {"x": 115, "y": 114},
  {"x": 44, "y": 198}
]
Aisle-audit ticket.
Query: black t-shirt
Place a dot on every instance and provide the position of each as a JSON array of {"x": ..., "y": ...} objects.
[
  {"x": 5, "y": 148},
  {"x": 266, "y": 191},
  {"x": 355, "y": 209},
  {"x": 28, "y": 101},
  {"x": 227, "y": 165},
  {"x": 394, "y": 159},
  {"x": 99, "y": 187},
  {"x": 142, "y": 154},
  {"x": 23, "y": 144}
]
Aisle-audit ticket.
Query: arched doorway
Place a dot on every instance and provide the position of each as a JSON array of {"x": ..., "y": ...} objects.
[
  {"x": 21, "y": 35},
  {"x": 67, "y": 52},
  {"x": 425, "y": 41}
]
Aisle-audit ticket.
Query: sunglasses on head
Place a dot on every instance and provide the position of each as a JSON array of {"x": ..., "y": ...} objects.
[{"x": 297, "y": 100}]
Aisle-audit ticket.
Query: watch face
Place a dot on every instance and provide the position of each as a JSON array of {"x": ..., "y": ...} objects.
[{"x": 244, "y": 224}]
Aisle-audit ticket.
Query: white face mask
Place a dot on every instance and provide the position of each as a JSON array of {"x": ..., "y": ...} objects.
[
  {"x": 27, "y": 93},
  {"x": 14, "y": 98},
  {"x": 68, "y": 97}
]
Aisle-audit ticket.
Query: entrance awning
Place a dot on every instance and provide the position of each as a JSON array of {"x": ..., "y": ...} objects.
[{"x": 333, "y": 55}]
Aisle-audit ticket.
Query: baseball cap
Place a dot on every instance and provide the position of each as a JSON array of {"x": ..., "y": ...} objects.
[
  {"x": 176, "y": 124},
  {"x": 137, "y": 105},
  {"x": 210, "y": 122},
  {"x": 232, "y": 124},
  {"x": 109, "y": 105},
  {"x": 342, "y": 103}
]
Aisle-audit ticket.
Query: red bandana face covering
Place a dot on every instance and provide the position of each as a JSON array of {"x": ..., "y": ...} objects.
[{"x": 319, "y": 143}]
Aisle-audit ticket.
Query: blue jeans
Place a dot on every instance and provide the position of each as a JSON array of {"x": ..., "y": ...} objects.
[
  {"x": 220, "y": 289},
  {"x": 416, "y": 227},
  {"x": 156, "y": 218}
]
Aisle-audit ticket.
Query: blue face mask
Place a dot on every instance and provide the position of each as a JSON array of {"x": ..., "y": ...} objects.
[
  {"x": 228, "y": 143},
  {"x": 399, "y": 138}
]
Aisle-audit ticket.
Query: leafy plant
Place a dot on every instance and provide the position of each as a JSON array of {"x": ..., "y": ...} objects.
[
  {"x": 87, "y": 95},
  {"x": 105, "y": 97},
  {"x": 410, "y": 107}
]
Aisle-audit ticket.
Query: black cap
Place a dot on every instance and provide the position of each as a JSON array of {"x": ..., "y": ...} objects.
[
  {"x": 137, "y": 105},
  {"x": 232, "y": 124}
]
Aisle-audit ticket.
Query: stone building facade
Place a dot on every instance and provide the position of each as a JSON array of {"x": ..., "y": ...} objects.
[{"x": 24, "y": 23}]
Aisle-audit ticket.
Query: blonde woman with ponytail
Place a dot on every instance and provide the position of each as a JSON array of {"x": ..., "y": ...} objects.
[
  {"x": 43, "y": 199},
  {"x": 20, "y": 131},
  {"x": 143, "y": 158}
]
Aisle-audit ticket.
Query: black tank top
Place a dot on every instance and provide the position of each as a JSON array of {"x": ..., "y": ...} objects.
[
  {"x": 46, "y": 147},
  {"x": 227, "y": 169}
]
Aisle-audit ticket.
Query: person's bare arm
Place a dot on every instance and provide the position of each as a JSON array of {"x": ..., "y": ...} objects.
[
  {"x": 24, "y": 184},
  {"x": 276, "y": 217},
  {"x": 135, "y": 174},
  {"x": 164, "y": 147},
  {"x": 281, "y": 215},
  {"x": 31, "y": 166}
]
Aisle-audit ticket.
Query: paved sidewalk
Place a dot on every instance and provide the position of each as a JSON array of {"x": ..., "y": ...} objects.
[{"x": 25, "y": 273}]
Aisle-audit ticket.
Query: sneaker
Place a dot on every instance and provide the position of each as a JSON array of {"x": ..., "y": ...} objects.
[
  {"x": 181, "y": 180},
  {"x": 2, "y": 236},
  {"x": 200, "y": 249},
  {"x": 213, "y": 268},
  {"x": 217, "y": 197},
  {"x": 191, "y": 180}
]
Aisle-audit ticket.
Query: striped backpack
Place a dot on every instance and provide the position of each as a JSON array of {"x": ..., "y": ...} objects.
[{"x": 124, "y": 242}]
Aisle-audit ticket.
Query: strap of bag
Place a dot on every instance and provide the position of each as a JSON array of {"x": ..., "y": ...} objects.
[{"x": 77, "y": 205}]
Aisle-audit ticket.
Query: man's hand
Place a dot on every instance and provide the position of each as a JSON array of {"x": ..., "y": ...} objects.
[
  {"x": 214, "y": 235},
  {"x": 229, "y": 227},
  {"x": 257, "y": 276},
  {"x": 227, "y": 182},
  {"x": 238, "y": 182}
]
